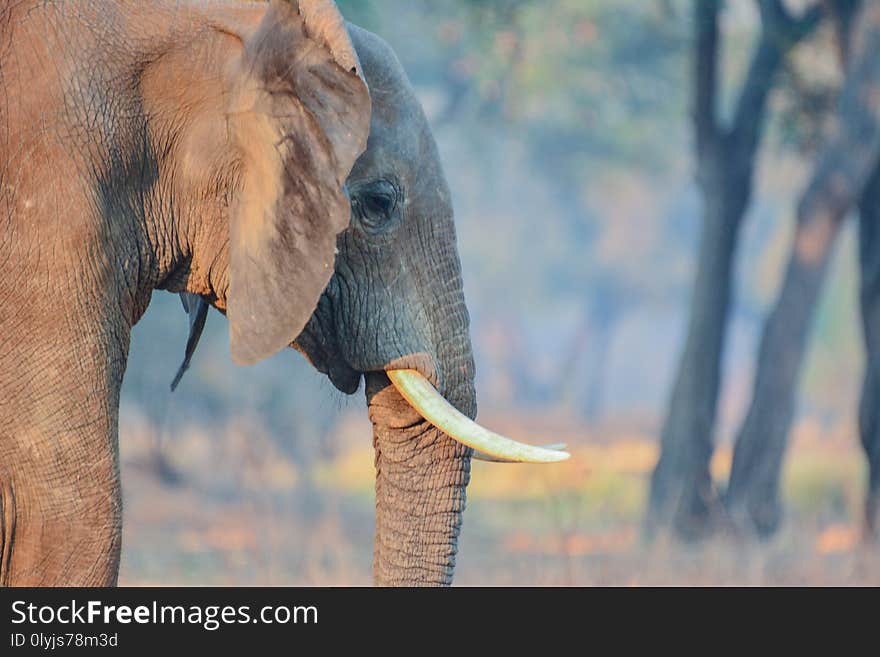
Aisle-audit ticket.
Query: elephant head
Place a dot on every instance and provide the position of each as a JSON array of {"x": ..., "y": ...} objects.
[
  {"x": 394, "y": 313},
  {"x": 395, "y": 309}
]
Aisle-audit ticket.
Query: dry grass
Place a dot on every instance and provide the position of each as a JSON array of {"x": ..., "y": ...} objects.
[{"x": 242, "y": 513}]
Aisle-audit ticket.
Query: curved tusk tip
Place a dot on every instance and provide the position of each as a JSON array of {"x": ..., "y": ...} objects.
[
  {"x": 488, "y": 445},
  {"x": 555, "y": 455},
  {"x": 558, "y": 455}
]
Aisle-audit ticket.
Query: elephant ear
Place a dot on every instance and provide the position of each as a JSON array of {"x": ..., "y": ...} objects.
[{"x": 299, "y": 118}]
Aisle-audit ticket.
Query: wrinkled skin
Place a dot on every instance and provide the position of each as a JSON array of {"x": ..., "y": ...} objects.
[
  {"x": 396, "y": 301},
  {"x": 206, "y": 150}
]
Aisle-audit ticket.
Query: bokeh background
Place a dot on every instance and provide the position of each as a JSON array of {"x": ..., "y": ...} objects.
[{"x": 566, "y": 132}]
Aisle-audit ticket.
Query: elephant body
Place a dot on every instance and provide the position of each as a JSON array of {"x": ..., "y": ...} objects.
[{"x": 265, "y": 157}]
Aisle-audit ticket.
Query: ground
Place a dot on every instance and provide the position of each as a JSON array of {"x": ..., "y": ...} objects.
[{"x": 232, "y": 509}]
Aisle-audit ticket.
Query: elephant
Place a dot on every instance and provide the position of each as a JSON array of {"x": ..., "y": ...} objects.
[{"x": 269, "y": 160}]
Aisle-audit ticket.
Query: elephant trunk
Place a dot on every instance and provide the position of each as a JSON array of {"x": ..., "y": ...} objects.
[{"x": 421, "y": 474}]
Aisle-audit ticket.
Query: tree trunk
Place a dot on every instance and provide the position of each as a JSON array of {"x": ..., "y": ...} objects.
[
  {"x": 597, "y": 372},
  {"x": 583, "y": 379},
  {"x": 844, "y": 165},
  {"x": 760, "y": 445},
  {"x": 681, "y": 485},
  {"x": 681, "y": 494},
  {"x": 869, "y": 408}
]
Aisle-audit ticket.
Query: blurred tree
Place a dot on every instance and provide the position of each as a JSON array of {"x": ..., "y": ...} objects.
[
  {"x": 682, "y": 497},
  {"x": 869, "y": 408},
  {"x": 844, "y": 164}
]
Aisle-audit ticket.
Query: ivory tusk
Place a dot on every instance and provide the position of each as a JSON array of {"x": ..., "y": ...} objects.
[
  {"x": 482, "y": 456},
  {"x": 432, "y": 406}
]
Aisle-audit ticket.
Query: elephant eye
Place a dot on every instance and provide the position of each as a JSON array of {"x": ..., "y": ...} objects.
[{"x": 377, "y": 204}]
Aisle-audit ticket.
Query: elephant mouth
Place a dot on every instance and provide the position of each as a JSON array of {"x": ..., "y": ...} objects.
[
  {"x": 424, "y": 398},
  {"x": 343, "y": 376}
]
